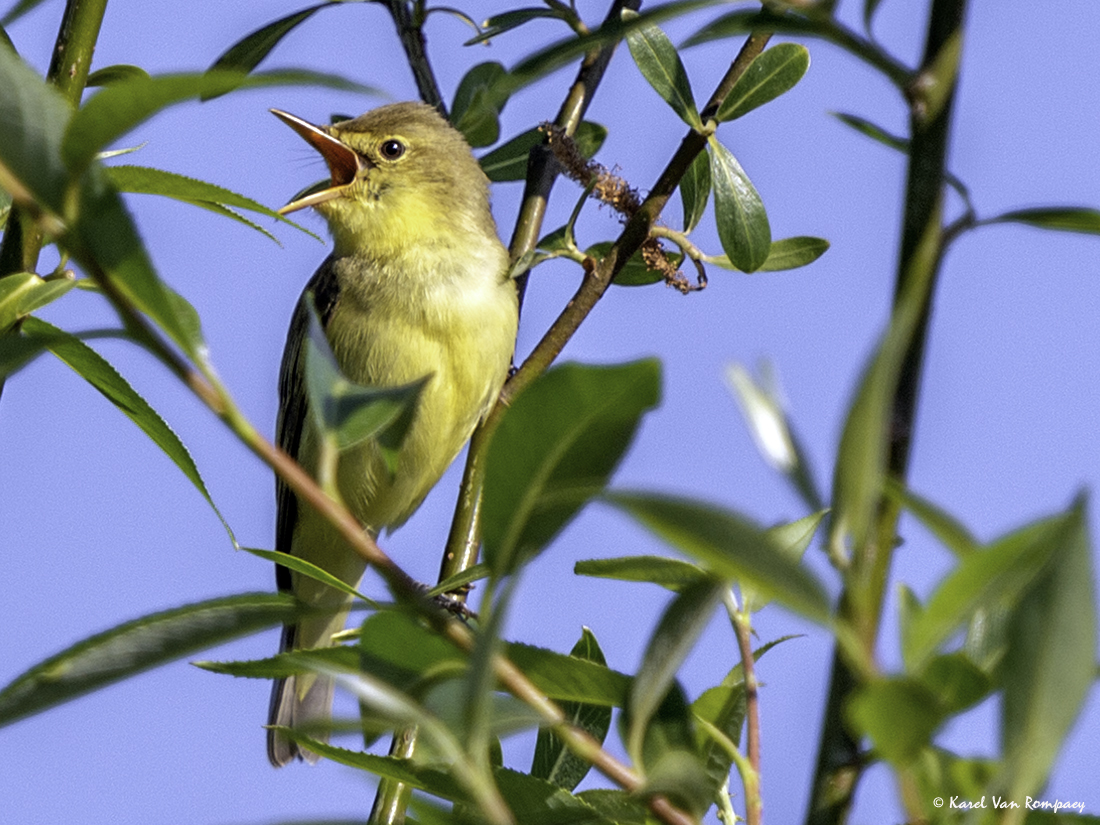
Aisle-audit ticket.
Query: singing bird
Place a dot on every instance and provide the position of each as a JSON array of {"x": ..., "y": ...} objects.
[{"x": 417, "y": 286}]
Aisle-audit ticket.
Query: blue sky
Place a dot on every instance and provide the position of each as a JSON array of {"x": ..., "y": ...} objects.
[{"x": 99, "y": 527}]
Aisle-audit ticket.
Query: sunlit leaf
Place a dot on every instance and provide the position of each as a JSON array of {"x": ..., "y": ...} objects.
[
  {"x": 138, "y": 645},
  {"x": 772, "y": 73},
  {"x": 742, "y": 222},
  {"x": 21, "y": 293},
  {"x": 569, "y": 678}
]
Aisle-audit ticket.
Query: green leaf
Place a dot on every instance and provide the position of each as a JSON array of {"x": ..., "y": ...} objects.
[
  {"x": 477, "y": 104},
  {"x": 993, "y": 576},
  {"x": 113, "y": 74},
  {"x": 729, "y": 546},
  {"x": 95, "y": 369},
  {"x": 349, "y": 412},
  {"x": 793, "y": 540},
  {"x": 552, "y": 760},
  {"x": 557, "y": 445},
  {"x": 549, "y": 59},
  {"x": 149, "y": 181},
  {"x": 107, "y": 243},
  {"x": 1061, "y": 218},
  {"x": 509, "y": 161},
  {"x": 285, "y": 664},
  {"x": 635, "y": 272},
  {"x": 770, "y": 74},
  {"x": 138, "y": 645},
  {"x": 742, "y": 222},
  {"x": 950, "y": 531},
  {"x": 300, "y": 565},
  {"x": 34, "y": 117},
  {"x": 21, "y": 293},
  {"x": 788, "y": 253},
  {"x": 620, "y": 807},
  {"x": 1049, "y": 666},
  {"x": 681, "y": 776},
  {"x": 656, "y": 57},
  {"x": 695, "y": 190},
  {"x": 506, "y": 21},
  {"x": 956, "y": 682},
  {"x": 247, "y": 53},
  {"x": 539, "y": 802},
  {"x": 568, "y": 678},
  {"x": 900, "y": 715},
  {"x": 120, "y": 107},
  {"x": 676, "y": 634},
  {"x": 874, "y": 132},
  {"x": 673, "y": 574}
]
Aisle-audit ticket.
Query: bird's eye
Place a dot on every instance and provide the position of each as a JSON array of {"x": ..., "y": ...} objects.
[{"x": 392, "y": 149}]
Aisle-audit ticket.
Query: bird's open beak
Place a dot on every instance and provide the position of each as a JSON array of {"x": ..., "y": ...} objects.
[{"x": 343, "y": 164}]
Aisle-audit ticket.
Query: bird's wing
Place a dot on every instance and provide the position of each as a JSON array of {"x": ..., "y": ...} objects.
[{"x": 293, "y": 404}]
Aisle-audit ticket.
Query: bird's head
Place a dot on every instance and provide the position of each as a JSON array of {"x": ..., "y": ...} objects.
[{"x": 399, "y": 173}]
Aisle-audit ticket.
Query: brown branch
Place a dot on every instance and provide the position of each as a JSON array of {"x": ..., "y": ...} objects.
[{"x": 754, "y": 803}]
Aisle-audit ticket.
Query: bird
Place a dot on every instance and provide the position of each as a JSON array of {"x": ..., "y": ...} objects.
[{"x": 416, "y": 287}]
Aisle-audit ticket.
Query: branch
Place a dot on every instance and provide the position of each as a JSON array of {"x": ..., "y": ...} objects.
[
  {"x": 410, "y": 31},
  {"x": 931, "y": 97}
]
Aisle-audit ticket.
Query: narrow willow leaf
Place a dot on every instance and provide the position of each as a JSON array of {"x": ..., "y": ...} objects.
[
  {"x": 247, "y": 53},
  {"x": 695, "y": 190},
  {"x": 138, "y": 645},
  {"x": 770, "y": 74},
  {"x": 1049, "y": 666},
  {"x": 949, "y": 530},
  {"x": 956, "y": 682},
  {"x": 149, "y": 181},
  {"x": 728, "y": 546},
  {"x": 113, "y": 74},
  {"x": 509, "y": 161},
  {"x": 673, "y": 574},
  {"x": 34, "y": 117},
  {"x": 299, "y": 565},
  {"x": 994, "y": 576},
  {"x": 656, "y": 58},
  {"x": 556, "y": 446},
  {"x": 553, "y": 761},
  {"x": 436, "y": 782},
  {"x": 1061, "y": 218},
  {"x": 568, "y": 678},
  {"x": 620, "y": 807},
  {"x": 531, "y": 799},
  {"x": 477, "y": 104},
  {"x": 285, "y": 664},
  {"x": 742, "y": 222},
  {"x": 506, "y": 21},
  {"x": 95, "y": 369},
  {"x": 676, "y": 634},
  {"x": 793, "y": 539},
  {"x": 874, "y": 132},
  {"x": 120, "y": 107}
]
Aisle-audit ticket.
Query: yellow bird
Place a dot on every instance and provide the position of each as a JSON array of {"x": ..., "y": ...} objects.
[{"x": 416, "y": 286}]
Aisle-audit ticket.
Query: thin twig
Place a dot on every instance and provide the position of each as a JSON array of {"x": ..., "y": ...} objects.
[{"x": 750, "y": 774}]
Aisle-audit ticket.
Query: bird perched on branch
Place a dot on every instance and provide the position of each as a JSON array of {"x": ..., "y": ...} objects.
[{"x": 416, "y": 287}]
